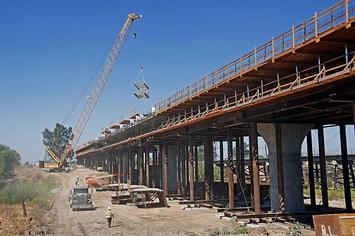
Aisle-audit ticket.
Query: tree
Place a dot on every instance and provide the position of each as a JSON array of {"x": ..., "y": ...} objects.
[
  {"x": 57, "y": 139},
  {"x": 8, "y": 160}
]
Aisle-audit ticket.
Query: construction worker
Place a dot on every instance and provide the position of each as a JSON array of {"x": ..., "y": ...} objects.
[
  {"x": 77, "y": 180},
  {"x": 109, "y": 216}
]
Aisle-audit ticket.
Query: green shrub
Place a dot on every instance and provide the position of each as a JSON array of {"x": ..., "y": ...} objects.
[{"x": 35, "y": 192}]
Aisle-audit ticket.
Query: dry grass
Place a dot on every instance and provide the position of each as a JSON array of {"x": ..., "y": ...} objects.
[
  {"x": 36, "y": 186},
  {"x": 12, "y": 222},
  {"x": 28, "y": 173}
]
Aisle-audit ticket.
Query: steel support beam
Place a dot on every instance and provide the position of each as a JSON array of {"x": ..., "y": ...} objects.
[
  {"x": 237, "y": 163},
  {"x": 345, "y": 165},
  {"x": 242, "y": 162},
  {"x": 191, "y": 170},
  {"x": 165, "y": 168},
  {"x": 160, "y": 157},
  {"x": 154, "y": 168},
  {"x": 147, "y": 170},
  {"x": 230, "y": 172},
  {"x": 255, "y": 167},
  {"x": 179, "y": 168},
  {"x": 311, "y": 170},
  {"x": 196, "y": 163},
  {"x": 208, "y": 159},
  {"x": 221, "y": 162},
  {"x": 323, "y": 167},
  {"x": 130, "y": 169},
  {"x": 280, "y": 169}
]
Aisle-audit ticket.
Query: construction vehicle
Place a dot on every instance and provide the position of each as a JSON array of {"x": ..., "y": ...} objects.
[
  {"x": 80, "y": 199},
  {"x": 102, "y": 78}
]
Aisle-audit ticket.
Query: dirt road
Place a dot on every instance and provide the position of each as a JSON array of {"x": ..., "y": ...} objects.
[{"x": 129, "y": 220}]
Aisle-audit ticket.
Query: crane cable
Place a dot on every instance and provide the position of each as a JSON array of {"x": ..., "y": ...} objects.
[{"x": 88, "y": 84}]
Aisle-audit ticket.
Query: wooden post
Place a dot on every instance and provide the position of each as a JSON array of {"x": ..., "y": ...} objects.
[
  {"x": 191, "y": 170},
  {"x": 221, "y": 162},
  {"x": 208, "y": 159},
  {"x": 280, "y": 169},
  {"x": 255, "y": 167},
  {"x": 310, "y": 170},
  {"x": 323, "y": 167},
  {"x": 345, "y": 165},
  {"x": 230, "y": 172}
]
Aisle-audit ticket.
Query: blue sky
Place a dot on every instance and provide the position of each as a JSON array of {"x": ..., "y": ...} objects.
[{"x": 49, "y": 50}]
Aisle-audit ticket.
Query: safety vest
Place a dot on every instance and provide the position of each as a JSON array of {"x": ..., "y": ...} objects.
[{"x": 109, "y": 214}]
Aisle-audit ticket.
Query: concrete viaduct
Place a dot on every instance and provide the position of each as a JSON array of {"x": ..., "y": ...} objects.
[{"x": 301, "y": 80}]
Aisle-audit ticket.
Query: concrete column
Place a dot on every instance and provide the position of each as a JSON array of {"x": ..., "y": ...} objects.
[
  {"x": 221, "y": 162},
  {"x": 191, "y": 171},
  {"x": 255, "y": 167},
  {"x": 208, "y": 158},
  {"x": 165, "y": 169},
  {"x": 345, "y": 165},
  {"x": 323, "y": 167},
  {"x": 230, "y": 172},
  {"x": 292, "y": 136},
  {"x": 311, "y": 170}
]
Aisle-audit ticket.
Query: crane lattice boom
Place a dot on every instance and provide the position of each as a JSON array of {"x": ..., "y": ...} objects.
[{"x": 100, "y": 84}]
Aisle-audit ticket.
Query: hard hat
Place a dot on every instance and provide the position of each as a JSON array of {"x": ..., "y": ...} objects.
[{"x": 108, "y": 208}]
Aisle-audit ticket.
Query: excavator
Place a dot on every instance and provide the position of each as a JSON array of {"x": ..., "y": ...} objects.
[{"x": 103, "y": 75}]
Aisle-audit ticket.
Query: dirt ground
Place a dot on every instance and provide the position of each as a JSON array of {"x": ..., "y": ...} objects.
[{"x": 130, "y": 220}]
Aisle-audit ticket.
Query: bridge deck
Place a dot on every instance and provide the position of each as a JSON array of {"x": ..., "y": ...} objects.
[{"x": 305, "y": 75}]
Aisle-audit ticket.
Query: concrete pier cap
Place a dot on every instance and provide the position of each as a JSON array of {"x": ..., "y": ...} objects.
[{"x": 292, "y": 136}]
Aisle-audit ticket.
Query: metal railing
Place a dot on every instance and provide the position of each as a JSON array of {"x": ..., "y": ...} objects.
[
  {"x": 339, "y": 13},
  {"x": 316, "y": 74}
]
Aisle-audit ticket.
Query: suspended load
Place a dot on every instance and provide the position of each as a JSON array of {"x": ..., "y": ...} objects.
[{"x": 142, "y": 89}]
